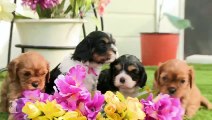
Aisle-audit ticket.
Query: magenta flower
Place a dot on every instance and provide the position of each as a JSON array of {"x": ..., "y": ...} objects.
[
  {"x": 16, "y": 108},
  {"x": 66, "y": 85},
  {"x": 37, "y": 95},
  {"x": 92, "y": 108},
  {"x": 72, "y": 82},
  {"x": 77, "y": 73},
  {"x": 44, "y": 4},
  {"x": 164, "y": 108},
  {"x": 71, "y": 90}
]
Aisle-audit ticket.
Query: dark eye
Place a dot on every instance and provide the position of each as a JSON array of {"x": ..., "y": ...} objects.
[
  {"x": 182, "y": 81},
  {"x": 27, "y": 74},
  {"x": 164, "y": 78},
  {"x": 134, "y": 71},
  {"x": 43, "y": 73}
]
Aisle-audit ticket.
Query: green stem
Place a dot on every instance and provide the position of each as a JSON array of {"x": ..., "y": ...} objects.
[{"x": 75, "y": 2}]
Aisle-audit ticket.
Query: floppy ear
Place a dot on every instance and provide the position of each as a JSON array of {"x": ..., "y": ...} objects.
[
  {"x": 143, "y": 78},
  {"x": 12, "y": 69},
  {"x": 157, "y": 77},
  {"x": 83, "y": 51},
  {"x": 191, "y": 76},
  {"x": 48, "y": 74},
  {"x": 112, "y": 70}
]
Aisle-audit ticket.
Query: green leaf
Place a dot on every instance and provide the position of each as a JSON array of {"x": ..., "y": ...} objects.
[
  {"x": 19, "y": 16},
  {"x": 76, "y": 9},
  {"x": 96, "y": 22},
  {"x": 39, "y": 11},
  {"x": 69, "y": 8},
  {"x": 88, "y": 4},
  {"x": 178, "y": 22},
  {"x": 58, "y": 10}
]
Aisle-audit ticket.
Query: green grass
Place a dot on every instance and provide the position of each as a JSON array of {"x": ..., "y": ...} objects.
[{"x": 203, "y": 75}]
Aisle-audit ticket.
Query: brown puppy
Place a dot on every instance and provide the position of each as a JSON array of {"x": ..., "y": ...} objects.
[
  {"x": 176, "y": 78},
  {"x": 28, "y": 71}
]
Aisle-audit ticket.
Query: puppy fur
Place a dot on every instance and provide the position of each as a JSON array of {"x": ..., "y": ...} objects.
[
  {"x": 126, "y": 75},
  {"x": 28, "y": 71},
  {"x": 176, "y": 78},
  {"x": 92, "y": 52}
]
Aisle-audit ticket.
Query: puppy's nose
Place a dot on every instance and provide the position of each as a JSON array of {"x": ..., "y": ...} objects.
[
  {"x": 35, "y": 84},
  {"x": 122, "y": 80},
  {"x": 171, "y": 90}
]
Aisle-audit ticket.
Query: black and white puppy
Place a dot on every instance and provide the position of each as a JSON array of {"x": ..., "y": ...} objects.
[
  {"x": 126, "y": 75},
  {"x": 92, "y": 52}
]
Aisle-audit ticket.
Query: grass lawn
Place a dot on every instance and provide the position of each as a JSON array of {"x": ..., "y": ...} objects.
[{"x": 203, "y": 74}]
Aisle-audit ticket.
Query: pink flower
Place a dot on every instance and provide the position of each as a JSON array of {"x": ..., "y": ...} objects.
[
  {"x": 92, "y": 108},
  {"x": 72, "y": 82},
  {"x": 101, "y": 6},
  {"x": 164, "y": 108},
  {"x": 44, "y": 4},
  {"x": 36, "y": 95},
  {"x": 71, "y": 90},
  {"x": 66, "y": 85},
  {"x": 78, "y": 74}
]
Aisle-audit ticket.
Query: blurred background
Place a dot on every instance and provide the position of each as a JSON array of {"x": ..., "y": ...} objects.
[{"x": 127, "y": 19}]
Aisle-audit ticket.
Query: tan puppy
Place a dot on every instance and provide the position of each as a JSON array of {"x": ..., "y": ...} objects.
[
  {"x": 28, "y": 71},
  {"x": 176, "y": 78}
]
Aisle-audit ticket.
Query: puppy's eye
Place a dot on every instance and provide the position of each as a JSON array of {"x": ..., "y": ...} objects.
[
  {"x": 164, "y": 78},
  {"x": 182, "y": 81},
  {"x": 134, "y": 71},
  {"x": 43, "y": 73},
  {"x": 27, "y": 74}
]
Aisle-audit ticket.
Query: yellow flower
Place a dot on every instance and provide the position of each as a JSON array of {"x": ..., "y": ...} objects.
[
  {"x": 72, "y": 115},
  {"x": 50, "y": 109},
  {"x": 31, "y": 110},
  {"x": 99, "y": 116},
  {"x": 40, "y": 118},
  {"x": 6, "y": 9},
  {"x": 110, "y": 97},
  {"x": 120, "y": 96},
  {"x": 114, "y": 116},
  {"x": 134, "y": 109},
  {"x": 110, "y": 108},
  {"x": 121, "y": 107}
]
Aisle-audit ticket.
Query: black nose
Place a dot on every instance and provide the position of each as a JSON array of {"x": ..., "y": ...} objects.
[
  {"x": 171, "y": 90},
  {"x": 122, "y": 80},
  {"x": 35, "y": 84}
]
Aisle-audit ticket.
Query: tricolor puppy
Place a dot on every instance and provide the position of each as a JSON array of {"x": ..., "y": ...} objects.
[
  {"x": 126, "y": 75},
  {"x": 176, "y": 78},
  {"x": 92, "y": 52}
]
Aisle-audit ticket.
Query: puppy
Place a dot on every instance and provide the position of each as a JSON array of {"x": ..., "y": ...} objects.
[
  {"x": 126, "y": 75},
  {"x": 28, "y": 71},
  {"x": 92, "y": 52},
  {"x": 176, "y": 78}
]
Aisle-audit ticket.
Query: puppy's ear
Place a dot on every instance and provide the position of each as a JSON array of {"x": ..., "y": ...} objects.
[
  {"x": 191, "y": 76},
  {"x": 142, "y": 81},
  {"x": 157, "y": 76},
  {"x": 12, "y": 69},
  {"x": 48, "y": 74},
  {"x": 83, "y": 51}
]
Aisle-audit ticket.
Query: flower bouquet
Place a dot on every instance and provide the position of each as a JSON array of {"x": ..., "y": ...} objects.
[{"x": 72, "y": 101}]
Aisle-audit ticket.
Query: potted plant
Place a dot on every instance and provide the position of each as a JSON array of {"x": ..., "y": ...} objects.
[
  {"x": 159, "y": 47},
  {"x": 58, "y": 25}
]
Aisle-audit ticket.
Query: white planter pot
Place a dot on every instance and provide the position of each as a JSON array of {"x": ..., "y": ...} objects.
[{"x": 50, "y": 32}]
